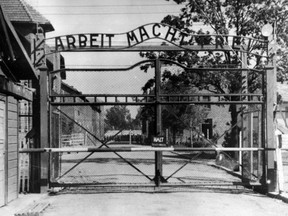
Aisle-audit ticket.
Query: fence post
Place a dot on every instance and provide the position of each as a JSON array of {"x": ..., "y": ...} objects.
[{"x": 130, "y": 137}]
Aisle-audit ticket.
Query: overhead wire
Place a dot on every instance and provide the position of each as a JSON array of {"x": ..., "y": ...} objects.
[
  {"x": 109, "y": 13},
  {"x": 99, "y": 6},
  {"x": 105, "y": 6}
]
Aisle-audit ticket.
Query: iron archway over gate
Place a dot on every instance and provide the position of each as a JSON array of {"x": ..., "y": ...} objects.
[{"x": 134, "y": 39}]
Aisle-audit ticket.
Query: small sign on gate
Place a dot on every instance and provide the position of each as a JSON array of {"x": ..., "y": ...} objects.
[{"x": 159, "y": 141}]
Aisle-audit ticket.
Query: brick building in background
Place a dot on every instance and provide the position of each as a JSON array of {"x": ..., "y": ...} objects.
[
  {"x": 282, "y": 109},
  {"x": 91, "y": 119}
]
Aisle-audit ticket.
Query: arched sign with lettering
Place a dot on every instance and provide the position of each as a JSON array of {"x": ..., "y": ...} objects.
[{"x": 174, "y": 39}]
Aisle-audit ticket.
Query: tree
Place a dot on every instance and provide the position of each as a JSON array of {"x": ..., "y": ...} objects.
[
  {"x": 136, "y": 123},
  {"x": 118, "y": 117},
  {"x": 244, "y": 18},
  {"x": 176, "y": 118}
]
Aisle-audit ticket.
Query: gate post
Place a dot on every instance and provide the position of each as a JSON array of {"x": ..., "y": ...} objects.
[
  {"x": 270, "y": 125},
  {"x": 39, "y": 161},
  {"x": 44, "y": 122},
  {"x": 158, "y": 154}
]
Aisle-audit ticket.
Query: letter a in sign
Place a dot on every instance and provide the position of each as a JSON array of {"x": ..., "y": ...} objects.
[
  {"x": 143, "y": 33},
  {"x": 158, "y": 139}
]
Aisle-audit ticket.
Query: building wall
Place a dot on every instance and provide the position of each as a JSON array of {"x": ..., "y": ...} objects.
[
  {"x": 220, "y": 116},
  {"x": 87, "y": 116},
  {"x": 19, "y": 21},
  {"x": 282, "y": 109},
  {"x": 3, "y": 193},
  {"x": 9, "y": 173},
  {"x": 282, "y": 117},
  {"x": 12, "y": 128}
]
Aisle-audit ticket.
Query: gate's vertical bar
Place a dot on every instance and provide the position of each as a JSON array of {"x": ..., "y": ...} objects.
[
  {"x": 244, "y": 123},
  {"x": 259, "y": 153},
  {"x": 50, "y": 127},
  {"x": 251, "y": 116},
  {"x": 158, "y": 154},
  {"x": 263, "y": 129}
]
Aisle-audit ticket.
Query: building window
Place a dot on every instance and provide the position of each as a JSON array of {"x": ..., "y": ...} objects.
[{"x": 206, "y": 99}]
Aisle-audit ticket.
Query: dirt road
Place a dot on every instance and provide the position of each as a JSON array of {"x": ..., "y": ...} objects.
[
  {"x": 196, "y": 202},
  {"x": 200, "y": 203}
]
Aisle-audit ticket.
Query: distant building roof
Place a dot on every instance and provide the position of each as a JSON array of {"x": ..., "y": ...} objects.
[
  {"x": 15, "y": 56},
  {"x": 18, "y": 11},
  {"x": 123, "y": 132},
  {"x": 282, "y": 89},
  {"x": 68, "y": 89}
]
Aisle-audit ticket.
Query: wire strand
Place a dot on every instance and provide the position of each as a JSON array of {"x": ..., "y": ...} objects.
[
  {"x": 108, "y": 13},
  {"x": 100, "y": 6}
]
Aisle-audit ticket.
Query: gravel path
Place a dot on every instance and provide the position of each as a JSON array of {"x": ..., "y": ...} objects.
[
  {"x": 165, "y": 204},
  {"x": 193, "y": 201}
]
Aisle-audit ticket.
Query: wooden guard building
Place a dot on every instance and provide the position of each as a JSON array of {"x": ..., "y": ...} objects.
[{"x": 18, "y": 22}]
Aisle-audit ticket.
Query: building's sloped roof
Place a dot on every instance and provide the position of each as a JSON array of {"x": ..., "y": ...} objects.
[
  {"x": 21, "y": 12},
  {"x": 281, "y": 126},
  {"x": 11, "y": 44},
  {"x": 282, "y": 89}
]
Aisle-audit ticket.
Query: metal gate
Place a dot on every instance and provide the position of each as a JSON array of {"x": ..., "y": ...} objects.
[
  {"x": 110, "y": 161},
  {"x": 81, "y": 154}
]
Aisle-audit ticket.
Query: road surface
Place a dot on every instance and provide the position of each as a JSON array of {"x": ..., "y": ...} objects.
[{"x": 200, "y": 203}]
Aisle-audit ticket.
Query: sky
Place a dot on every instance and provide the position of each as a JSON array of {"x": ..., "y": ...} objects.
[
  {"x": 99, "y": 16},
  {"x": 74, "y": 16}
]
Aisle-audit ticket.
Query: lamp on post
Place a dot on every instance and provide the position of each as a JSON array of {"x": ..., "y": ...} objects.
[{"x": 267, "y": 30}]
